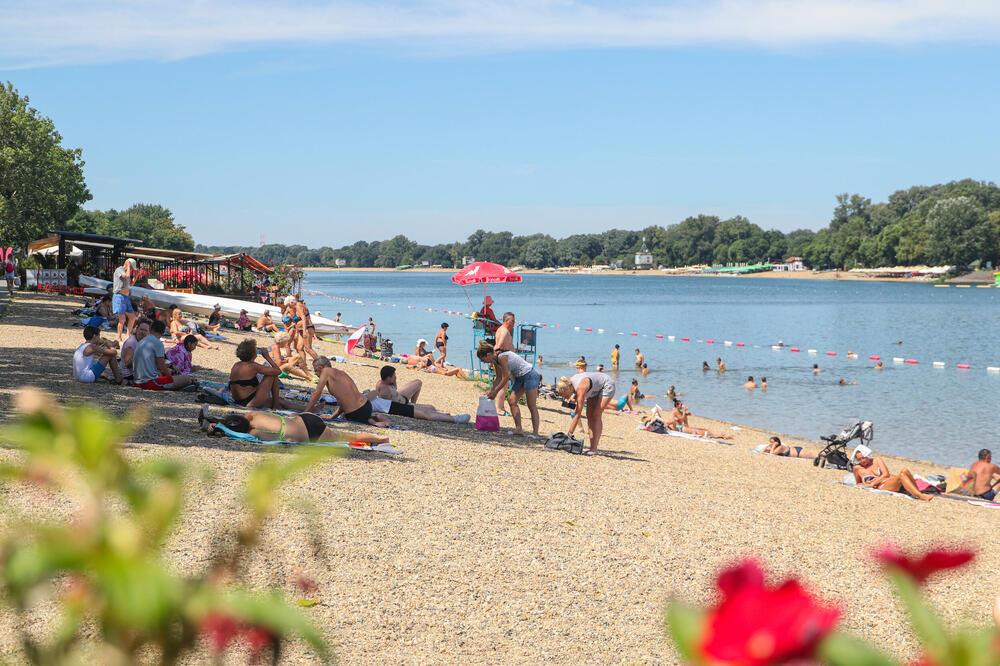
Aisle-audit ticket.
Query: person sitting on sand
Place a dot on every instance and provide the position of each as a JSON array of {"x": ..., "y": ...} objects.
[
  {"x": 149, "y": 365},
  {"x": 386, "y": 387},
  {"x": 253, "y": 384},
  {"x": 103, "y": 308},
  {"x": 672, "y": 422},
  {"x": 596, "y": 391},
  {"x": 351, "y": 404},
  {"x": 146, "y": 307},
  {"x": 179, "y": 356},
  {"x": 420, "y": 351},
  {"x": 720, "y": 366},
  {"x": 92, "y": 357},
  {"x": 524, "y": 381},
  {"x": 243, "y": 323},
  {"x": 776, "y": 448},
  {"x": 304, "y": 427},
  {"x": 872, "y": 471},
  {"x": 750, "y": 383},
  {"x": 215, "y": 319},
  {"x": 987, "y": 476},
  {"x": 265, "y": 324},
  {"x": 179, "y": 330},
  {"x": 290, "y": 361},
  {"x": 130, "y": 345}
]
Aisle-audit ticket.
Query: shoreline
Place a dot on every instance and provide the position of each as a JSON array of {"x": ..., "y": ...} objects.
[
  {"x": 842, "y": 276},
  {"x": 473, "y": 542}
]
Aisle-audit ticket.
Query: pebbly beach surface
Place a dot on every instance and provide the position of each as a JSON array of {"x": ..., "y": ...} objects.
[{"x": 476, "y": 547}]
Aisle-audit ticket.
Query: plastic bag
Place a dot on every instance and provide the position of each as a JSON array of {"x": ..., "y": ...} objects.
[{"x": 486, "y": 415}]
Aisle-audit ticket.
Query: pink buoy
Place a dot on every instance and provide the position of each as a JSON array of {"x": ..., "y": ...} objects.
[
  {"x": 710, "y": 342},
  {"x": 740, "y": 344},
  {"x": 659, "y": 335},
  {"x": 831, "y": 353},
  {"x": 794, "y": 349},
  {"x": 911, "y": 361},
  {"x": 588, "y": 329},
  {"x": 686, "y": 339},
  {"x": 875, "y": 358},
  {"x": 634, "y": 333},
  {"x": 963, "y": 366}
]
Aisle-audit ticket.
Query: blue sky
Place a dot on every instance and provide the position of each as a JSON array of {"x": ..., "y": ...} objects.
[{"x": 325, "y": 123}]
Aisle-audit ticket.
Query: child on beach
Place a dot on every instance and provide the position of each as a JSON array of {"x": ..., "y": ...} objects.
[
  {"x": 615, "y": 353},
  {"x": 92, "y": 357},
  {"x": 179, "y": 356}
]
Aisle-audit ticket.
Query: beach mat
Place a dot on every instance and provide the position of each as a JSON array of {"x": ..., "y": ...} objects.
[
  {"x": 697, "y": 438},
  {"x": 353, "y": 446}
]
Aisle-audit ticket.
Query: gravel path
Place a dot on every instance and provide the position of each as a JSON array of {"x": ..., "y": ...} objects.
[{"x": 478, "y": 547}]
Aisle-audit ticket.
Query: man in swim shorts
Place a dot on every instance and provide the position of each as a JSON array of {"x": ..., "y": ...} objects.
[
  {"x": 987, "y": 476},
  {"x": 339, "y": 384},
  {"x": 121, "y": 302},
  {"x": 383, "y": 406},
  {"x": 387, "y": 388}
]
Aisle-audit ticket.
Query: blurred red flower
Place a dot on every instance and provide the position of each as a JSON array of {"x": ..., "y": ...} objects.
[
  {"x": 220, "y": 630},
  {"x": 920, "y": 569},
  {"x": 755, "y": 624}
]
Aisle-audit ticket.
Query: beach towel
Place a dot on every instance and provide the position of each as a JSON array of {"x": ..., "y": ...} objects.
[
  {"x": 687, "y": 435},
  {"x": 959, "y": 481},
  {"x": 355, "y": 446}
]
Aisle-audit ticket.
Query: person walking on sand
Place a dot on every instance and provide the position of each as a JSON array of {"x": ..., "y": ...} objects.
[
  {"x": 121, "y": 302},
  {"x": 615, "y": 356},
  {"x": 524, "y": 381},
  {"x": 639, "y": 359},
  {"x": 441, "y": 343},
  {"x": 595, "y": 391}
]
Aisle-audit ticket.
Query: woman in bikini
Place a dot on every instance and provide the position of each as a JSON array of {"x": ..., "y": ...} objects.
[
  {"x": 776, "y": 448},
  {"x": 307, "y": 332},
  {"x": 245, "y": 383},
  {"x": 304, "y": 427},
  {"x": 289, "y": 360},
  {"x": 179, "y": 330},
  {"x": 441, "y": 343}
]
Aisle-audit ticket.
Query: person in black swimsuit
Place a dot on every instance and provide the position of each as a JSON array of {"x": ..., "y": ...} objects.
[
  {"x": 279, "y": 427},
  {"x": 441, "y": 343},
  {"x": 245, "y": 384}
]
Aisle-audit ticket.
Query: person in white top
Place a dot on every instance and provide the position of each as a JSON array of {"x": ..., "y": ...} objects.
[
  {"x": 92, "y": 357},
  {"x": 524, "y": 381},
  {"x": 596, "y": 390}
]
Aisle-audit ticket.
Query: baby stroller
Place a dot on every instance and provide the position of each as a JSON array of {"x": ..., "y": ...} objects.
[
  {"x": 834, "y": 454},
  {"x": 384, "y": 348}
]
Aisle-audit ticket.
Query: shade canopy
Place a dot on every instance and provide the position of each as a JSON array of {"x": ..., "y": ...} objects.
[{"x": 484, "y": 271}]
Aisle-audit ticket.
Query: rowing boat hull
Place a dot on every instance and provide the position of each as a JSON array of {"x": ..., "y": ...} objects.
[{"x": 204, "y": 305}]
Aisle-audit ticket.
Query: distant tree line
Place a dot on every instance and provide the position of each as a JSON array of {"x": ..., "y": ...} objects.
[{"x": 957, "y": 223}]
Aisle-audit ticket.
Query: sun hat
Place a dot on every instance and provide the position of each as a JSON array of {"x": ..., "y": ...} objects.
[
  {"x": 863, "y": 450},
  {"x": 488, "y": 300},
  {"x": 217, "y": 306},
  {"x": 421, "y": 341},
  {"x": 289, "y": 299}
]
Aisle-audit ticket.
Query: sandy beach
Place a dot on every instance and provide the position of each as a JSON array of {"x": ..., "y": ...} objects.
[{"x": 477, "y": 547}]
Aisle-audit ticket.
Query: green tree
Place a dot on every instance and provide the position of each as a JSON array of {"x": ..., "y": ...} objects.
[
  {"x": 41, "y": 183},
  {"x": 959, "y": 232},
  {"x": 540, "y": 253}
]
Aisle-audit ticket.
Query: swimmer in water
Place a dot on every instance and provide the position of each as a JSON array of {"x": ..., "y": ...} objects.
[
  {"x": 750, "y": 383},
  {"x": 705, "y": 367},
  {"x": 847, "y": 383},
  {"x": 816, "y": 369},
  {"x": 763, "y": 383},
  {"x": 878, "y": 366}
]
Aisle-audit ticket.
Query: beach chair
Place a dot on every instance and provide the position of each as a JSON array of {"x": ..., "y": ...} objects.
[{"x": 834, "y": 454}]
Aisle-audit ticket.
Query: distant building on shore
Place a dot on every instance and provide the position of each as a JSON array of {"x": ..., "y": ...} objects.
[
  {"x": 340, "y": 263},
  {"x": 644, "y": 258},
  {"x": 791, "y": 264},
  {"x": 468, "y": 260}
]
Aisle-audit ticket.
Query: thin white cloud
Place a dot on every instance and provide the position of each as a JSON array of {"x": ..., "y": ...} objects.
[{"x": 52, "y": 32}]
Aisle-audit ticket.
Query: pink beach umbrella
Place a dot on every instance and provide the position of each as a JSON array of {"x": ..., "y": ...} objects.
[
  {"x": 353, "y": 341},
  {"x": 484, "y": 271}
]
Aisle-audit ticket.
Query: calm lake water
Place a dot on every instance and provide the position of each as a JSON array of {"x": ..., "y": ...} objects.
[{"x": 940, "y": 414}]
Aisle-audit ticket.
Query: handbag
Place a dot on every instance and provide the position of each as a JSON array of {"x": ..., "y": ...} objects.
[{"x": 486, "y": 415}]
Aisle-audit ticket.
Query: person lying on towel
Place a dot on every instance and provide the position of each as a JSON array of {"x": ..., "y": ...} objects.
[
  {"x": 776, "y": 448},
  {"x": 870, "y": 470},
  {"x": 278, "y": 427}
]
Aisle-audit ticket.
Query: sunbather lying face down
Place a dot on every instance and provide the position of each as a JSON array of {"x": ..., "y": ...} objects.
[{"x": 871, "y": 471}]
